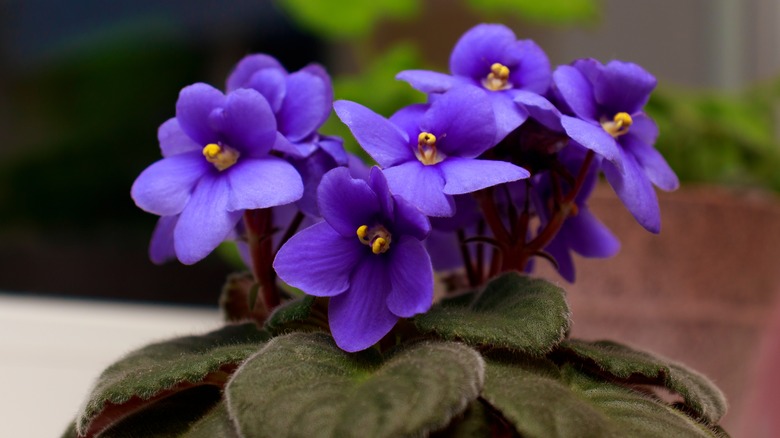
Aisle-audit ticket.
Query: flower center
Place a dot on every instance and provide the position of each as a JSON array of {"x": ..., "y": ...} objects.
[
  {"x": 221, "y": 156},
  {"x": 426, "y": 149},
  {"x": 618, "y": 125},
  {"x": 498, "y": 78},
  {"x": 377, "y": 238}
]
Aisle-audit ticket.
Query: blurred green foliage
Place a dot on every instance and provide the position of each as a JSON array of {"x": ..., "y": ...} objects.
[
  {"x": 333, "y": 19},
  {"x": 542, "y": 12},
  {"x": 721, "y": 138}
]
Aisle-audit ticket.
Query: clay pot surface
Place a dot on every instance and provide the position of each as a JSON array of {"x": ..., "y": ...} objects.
[{"x": 700, "y": 293}]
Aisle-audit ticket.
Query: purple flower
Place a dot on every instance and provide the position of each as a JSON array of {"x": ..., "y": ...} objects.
[
  {"x": 301, "y": 102},
  {"x": 367, "y": 255},
  {"x": 216, "y": 165},
  {"x": 490, "y": 57},
  {"x": 429, "y": 152},
  {"x": 581, "y": 233},
  {"x": 607, "y": 101}
]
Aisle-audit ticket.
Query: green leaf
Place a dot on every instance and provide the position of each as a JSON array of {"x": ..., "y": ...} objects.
[
  {"x": 513, "y": 311},
  {"x": 698, "y": 392},
  {"x": 305, "y": 313},
  {"x": 542, "y": 401},
  {"x": 346, "y": 18},
  {"x": 545, "y": 12},
  {"x": 161, "y": 370},
  {"x": 217, "y": 423},
  {"x": 302, "y": 384}
]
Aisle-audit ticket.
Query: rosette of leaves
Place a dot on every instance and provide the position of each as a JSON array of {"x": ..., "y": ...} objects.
[{"x": 491, "y": 362}]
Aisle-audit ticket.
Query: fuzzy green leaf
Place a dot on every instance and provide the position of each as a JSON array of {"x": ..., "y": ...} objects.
[
  {"x": 302, "y": 384},
  {"x": 305, "y": 313},
  {"x": 513, "y": 311},
  {"x": 698, "y": 392},
  {"x": 160, "y": 370},
  {"x": 541, "y": 401}
]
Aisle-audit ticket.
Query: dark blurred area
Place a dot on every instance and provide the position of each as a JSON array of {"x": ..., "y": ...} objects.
[{"x": 83, "y": 88}]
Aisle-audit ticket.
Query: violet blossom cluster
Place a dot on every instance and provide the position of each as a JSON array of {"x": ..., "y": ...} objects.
[{"x": 491, "y": 173}]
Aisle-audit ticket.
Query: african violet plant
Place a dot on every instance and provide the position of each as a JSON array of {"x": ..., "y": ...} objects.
[{"x": 491, "y": 174}]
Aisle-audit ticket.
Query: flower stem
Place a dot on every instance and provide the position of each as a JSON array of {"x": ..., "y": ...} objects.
[{"x": 259, "y": 225}]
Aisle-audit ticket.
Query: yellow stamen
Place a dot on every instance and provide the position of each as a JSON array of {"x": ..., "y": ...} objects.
[
  {"x": 379, "y": 246},
  {"x": 498, "y": 78},
  {"x": 362, "y": 232},
  {"x": 426, "y": 149},
  {"x": 377, "y": 238},
  {"x": 221, "y": 157},
  {"x": 618, "y": 125}
]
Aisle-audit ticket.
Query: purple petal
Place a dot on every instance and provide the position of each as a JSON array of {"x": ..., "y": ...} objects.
[
  {"x": 409, "y": 220},
  {"x": 409, "y": 118},
  {"x": 272, "y": 84},
  {"x": 652, "y": 162},
  {"x": 560, "y": 252},
  {"x": 540, "y": 109},
  {"x": 532, "y": 71},
  {"x": 635, "y": 191},
  {"x": 463, "y": 175},
  {"x": 295, "y": 150},
  {"x": 576, "y": 92},
  {"x": 593, "y": 137},
  {"x": 411, "y": 278},
  {"x": 589, "y": 237},
  {"x": 378, "y": 183},
  {"x": 427, "y": 81},
  {"x": 247, "y": 123},
  {"x": 312, "y": 169},
  {"x": 462, "y": 120},
  {"x": 479, "y": 48},
  {"x": 205, "y": 222},
  {"x": 161, "y": 246},
  {"x": 359, "y": 318},
  {"x": 248, "y": 66},
  {"x": 508, "y": 115},
  {"x": 384, "y": 141},
  {"x": 319, "y": 261},
  {"x": 644, "y": 128},
  {"x": 262, "y": 183},
  {"x": 306, "y": 106},
  {"x": 173, "y": 140},
  {"x": 623, "y": 86},
  {"x": 193, "y": 109},
  {"x": 165, "y": 187},
  {"x": 444, "y": 250},
  {"x": 422, "y": 186},
  {"x": 346, "y": 203},
  {"x": 334, "y": 146},
  {"x": 319, "y": 71}
]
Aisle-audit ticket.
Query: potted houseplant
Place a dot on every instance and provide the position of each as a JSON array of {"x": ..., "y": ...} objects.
[{"x": 336, "y": 331}]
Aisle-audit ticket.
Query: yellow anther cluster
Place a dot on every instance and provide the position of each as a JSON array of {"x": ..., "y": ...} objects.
[
  {"x": 498, "y": 78},
  {"x": 426, "y": 149},
  {"x": 618, "y": 125},
  {"x": 377, "y": 238},
  {"x": 221, "y": 157}
]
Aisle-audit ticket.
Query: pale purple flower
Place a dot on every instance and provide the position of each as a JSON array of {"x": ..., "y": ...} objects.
[
  {"x": 367, "y": 255},
  {"x": 492, "y": 59},
  {"x": 429, "y": 152},
  {"x": 607, "y": 102},
  {"x": 216, "y": 165}
]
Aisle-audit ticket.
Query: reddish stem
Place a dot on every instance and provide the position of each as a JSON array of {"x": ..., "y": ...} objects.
[{"x": 259, "y": 225}]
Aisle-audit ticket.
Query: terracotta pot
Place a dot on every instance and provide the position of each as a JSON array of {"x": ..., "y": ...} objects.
[{"x": 700, "y": 293}]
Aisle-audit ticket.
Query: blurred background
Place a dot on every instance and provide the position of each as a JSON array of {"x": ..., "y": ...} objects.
[{"x": 84, "y": 85}]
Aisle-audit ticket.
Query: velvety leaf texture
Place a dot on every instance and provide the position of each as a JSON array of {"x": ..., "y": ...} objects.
[
  {"x": 162, "y": 369},
  {"x": 291, "y": 315},
  {"x": 513, "y": 311},
  {"x": 541, "y": 400},
  {"x": 623, "y": 362},
  {"x": 303, "y": 385}
]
